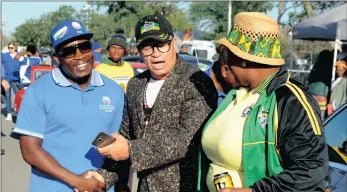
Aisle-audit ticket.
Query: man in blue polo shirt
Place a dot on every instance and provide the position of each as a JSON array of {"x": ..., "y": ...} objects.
[{"x": 63, "y": 111}]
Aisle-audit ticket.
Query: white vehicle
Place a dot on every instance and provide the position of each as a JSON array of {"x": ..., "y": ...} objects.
[{"x": 203, "y": 49}]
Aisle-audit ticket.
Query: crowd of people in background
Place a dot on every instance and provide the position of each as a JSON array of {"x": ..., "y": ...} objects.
[{"x": 329, "y": 95}]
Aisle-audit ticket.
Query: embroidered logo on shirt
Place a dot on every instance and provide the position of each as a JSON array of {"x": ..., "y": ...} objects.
[
  {"x": 106, "y": 105},
  {"x": 263, "y": 117},
  {"x": 246, "y": 111},
  {"x": 106, "y": 100}
]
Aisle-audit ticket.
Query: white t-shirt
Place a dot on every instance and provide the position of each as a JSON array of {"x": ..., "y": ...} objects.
[{"x": 152, "y": 91}]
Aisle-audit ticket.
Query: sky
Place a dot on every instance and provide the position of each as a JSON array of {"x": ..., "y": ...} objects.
[{"x": 15, "y": 13}]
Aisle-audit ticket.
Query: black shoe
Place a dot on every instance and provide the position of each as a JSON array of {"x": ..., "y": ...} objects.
[
  {"x": 2, "y": 134},
  {"x": 2, "y": 151}
]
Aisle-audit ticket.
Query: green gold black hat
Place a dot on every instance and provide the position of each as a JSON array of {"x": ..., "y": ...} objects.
[{"x": 255, "y": 37}]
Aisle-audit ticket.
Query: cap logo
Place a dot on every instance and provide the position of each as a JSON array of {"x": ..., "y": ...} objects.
[
  {"x": 60, "y": 33},
  {"x": 150, "y": 26},
  {"x": 76, "y": 25}
]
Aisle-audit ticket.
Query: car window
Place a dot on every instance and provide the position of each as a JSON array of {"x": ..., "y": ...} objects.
[
  {"x": 336, "y": 134},
  {"x": 39, "y": 73},
  {"x": 336, "y": 128}
]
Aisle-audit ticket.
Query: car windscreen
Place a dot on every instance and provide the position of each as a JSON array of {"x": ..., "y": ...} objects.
[{"x": 335, "y": 129}]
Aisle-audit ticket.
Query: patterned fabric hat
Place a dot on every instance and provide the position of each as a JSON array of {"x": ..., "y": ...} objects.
[{"x": 255, "y": 37}]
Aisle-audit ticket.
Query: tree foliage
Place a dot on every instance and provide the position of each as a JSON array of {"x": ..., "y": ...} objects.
[
  {"x": 126, "y": 14},
  {"x": 213, "y": 17},
  {"x": 37, "y": 31},
  {"x": 299, "y": 10}
]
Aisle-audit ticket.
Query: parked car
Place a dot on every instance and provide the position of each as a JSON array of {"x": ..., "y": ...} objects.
[
  {"x": 335, "y": 129},
  {"x": 36, "y": 72},
  {"x": 201, "y": 63}
]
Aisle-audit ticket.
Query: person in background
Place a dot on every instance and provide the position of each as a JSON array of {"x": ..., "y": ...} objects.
[
  {"x": 97, "y": 53},
  {"x": 11, "y": 66},
  {"x": 319, "y": 80},
  {"x": 339, "y": 86},
  {"x": 5, "y": 86},
  {"x": 119, "y": 30},
  {"x": 46, "y": 59},
  {"x": 219, "y": 74},
  {"x": 55, "y": 60},
  {"x": 114, "y": 67},
  {"x": 266, "y": 134},
  {"x": 134, "y": 51},
  {"x": 27, "y": 62},
  {"x": 184, "y": 49}
]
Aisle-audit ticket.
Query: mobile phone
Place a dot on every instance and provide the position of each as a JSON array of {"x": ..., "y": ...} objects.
[{"x": 102, "y": 140}]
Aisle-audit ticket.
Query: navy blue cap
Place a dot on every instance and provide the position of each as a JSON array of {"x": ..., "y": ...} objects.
[
  {"x": 96, "y": 45},
  {"x": 67, "y": 30}
]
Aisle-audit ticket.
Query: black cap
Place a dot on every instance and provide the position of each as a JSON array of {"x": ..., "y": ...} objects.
[{"x": 153, "y": 27}]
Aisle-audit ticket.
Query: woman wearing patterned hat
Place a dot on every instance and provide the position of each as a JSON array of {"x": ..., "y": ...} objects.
[
  {"x": 339, "y": 87},
  {"x": 266, "y": 134}
]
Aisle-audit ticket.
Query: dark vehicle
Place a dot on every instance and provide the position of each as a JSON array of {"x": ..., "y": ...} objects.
[
  {"x": 335, "y": 128},
  {"x": 201, "y": 63}
]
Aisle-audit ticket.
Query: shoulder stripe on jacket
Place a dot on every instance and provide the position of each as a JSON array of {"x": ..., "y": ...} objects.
[
  {"x": 303, "y": 100},
  {"x": 276, "y": 128}
]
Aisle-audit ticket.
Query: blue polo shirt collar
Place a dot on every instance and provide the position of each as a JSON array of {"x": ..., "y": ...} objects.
[{"x": 60, "y": 79}]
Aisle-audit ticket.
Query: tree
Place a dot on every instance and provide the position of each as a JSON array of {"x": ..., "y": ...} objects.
[
  {"x": 213, "y": 17},
  {"x": 126, "y": 14},
  {"x": 300, "y": 10},
  {"x": 103, "y": 27},
  {"x": 37, "y": 31}
]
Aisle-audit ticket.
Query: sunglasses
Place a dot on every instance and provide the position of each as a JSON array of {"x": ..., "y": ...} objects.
[
  {"x": 10, "y": 47},
  {"x": 69, "y": 52}
]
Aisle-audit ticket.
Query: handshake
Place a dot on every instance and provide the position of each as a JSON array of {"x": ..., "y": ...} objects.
[{"x": 90, "y": 181}]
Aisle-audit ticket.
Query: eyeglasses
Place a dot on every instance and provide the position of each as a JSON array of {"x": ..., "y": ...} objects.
[
  {"x": 69, "y": 52},
  {"x": 10, "y": 47},
  {"x": 149, "y": 49}
]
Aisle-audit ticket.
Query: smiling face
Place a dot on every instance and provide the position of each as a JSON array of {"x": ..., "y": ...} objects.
[
  {"x": 160, "y": 64},
  {"x": 81, "y": 64}
]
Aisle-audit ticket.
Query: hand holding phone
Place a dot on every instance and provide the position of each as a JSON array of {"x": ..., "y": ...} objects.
[{"x": 103, "y": 140}]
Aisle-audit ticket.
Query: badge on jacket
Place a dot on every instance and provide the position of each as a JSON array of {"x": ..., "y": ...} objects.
[
  {"x": 263, "y": 117},
  {"x": 246, "y": 111}
]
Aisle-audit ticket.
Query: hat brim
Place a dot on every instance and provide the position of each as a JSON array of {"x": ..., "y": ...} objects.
[
  {"x": 87, "y": 35},
  {"x": 154, "y": 36},
  {"x": 246, "y": 56}
]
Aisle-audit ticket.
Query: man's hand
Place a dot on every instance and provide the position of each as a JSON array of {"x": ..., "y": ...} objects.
[
  {"x": 235, "y": 190},
  {"x": 88, "y": 183},
  {"x": 118, "y": 150},
  {"x": 95, "y": 175}
]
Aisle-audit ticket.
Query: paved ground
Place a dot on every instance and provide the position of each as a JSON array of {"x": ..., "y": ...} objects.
[{"x": 15, "y": 172}]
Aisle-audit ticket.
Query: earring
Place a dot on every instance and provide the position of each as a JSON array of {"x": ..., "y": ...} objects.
[{"x": 244, "y": 64}]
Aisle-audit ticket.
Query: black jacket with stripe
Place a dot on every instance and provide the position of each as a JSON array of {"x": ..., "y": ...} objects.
[{"x": 300, "y": 139}]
